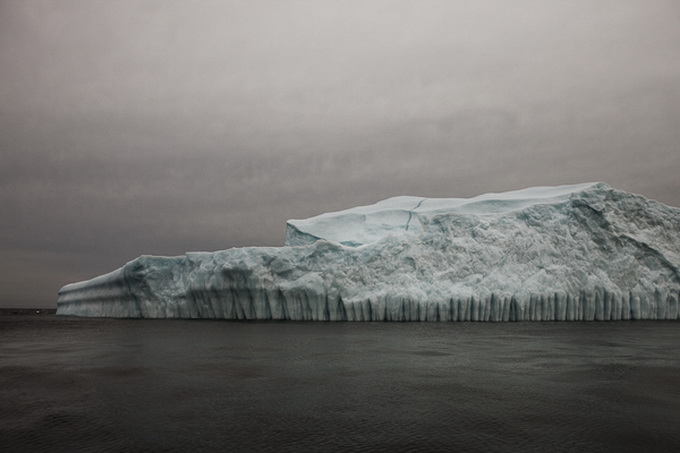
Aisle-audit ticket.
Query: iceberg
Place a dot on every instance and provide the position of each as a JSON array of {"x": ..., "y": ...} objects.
[{"x": 567, "y": 253}]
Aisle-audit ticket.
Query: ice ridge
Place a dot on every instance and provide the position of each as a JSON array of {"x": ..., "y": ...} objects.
[{"x": 566, "y": 253}]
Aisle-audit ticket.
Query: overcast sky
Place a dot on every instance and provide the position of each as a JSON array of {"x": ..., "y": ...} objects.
[{"x": 157, "y": 127}]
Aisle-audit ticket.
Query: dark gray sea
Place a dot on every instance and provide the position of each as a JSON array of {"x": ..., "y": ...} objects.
[{"x": 70, "y": 384}]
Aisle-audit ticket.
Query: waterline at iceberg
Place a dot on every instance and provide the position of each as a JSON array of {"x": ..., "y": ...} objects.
[{"x": 579, "y": 252}]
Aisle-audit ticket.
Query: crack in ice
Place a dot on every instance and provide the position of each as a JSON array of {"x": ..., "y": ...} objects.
[{"x": 410, "y": 213}]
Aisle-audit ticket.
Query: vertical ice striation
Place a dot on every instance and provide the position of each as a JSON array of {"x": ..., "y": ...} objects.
[{"x": 571, "y": 253}]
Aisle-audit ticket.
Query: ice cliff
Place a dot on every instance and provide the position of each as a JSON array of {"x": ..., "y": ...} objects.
[{"x": 579, "y": 252}]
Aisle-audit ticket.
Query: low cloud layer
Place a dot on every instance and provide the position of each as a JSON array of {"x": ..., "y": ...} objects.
[{"x": 158, "y": 127}]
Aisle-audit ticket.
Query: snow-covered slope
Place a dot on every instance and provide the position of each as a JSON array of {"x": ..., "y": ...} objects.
[
  {"x": 581, "y": 252},
  {"x": 401, "y": 215}
]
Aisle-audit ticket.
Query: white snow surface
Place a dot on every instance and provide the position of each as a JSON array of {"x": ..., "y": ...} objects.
[
  {"x": 579, "y": 252},
  {"x": 401, "y": 215}
]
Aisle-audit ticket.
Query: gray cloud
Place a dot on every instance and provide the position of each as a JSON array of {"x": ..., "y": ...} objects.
[{"x": 160, "y": 127}]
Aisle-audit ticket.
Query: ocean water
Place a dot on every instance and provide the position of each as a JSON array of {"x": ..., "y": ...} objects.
[{"x": 70, "y": 384}]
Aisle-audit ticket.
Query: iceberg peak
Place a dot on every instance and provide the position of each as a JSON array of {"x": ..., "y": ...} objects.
[{"x": 401, "y": 215}]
